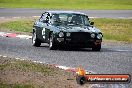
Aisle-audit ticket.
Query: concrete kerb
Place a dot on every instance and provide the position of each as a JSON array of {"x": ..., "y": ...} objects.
[{"x": 4, "y": 34}]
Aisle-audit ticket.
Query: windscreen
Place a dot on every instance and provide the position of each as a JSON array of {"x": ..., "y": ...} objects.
[{"x": 70, "y": 19}]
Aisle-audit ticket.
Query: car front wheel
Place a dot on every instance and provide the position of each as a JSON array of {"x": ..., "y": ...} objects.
[{"x": 35, "y": 41}]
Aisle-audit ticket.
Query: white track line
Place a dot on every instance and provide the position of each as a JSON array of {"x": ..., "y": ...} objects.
[
  {"x": 18, "y": 36},
  {"x": 24, "y": 36}
]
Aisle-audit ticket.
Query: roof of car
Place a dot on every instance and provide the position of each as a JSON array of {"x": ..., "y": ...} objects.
[{"x": 70, "y": 12}]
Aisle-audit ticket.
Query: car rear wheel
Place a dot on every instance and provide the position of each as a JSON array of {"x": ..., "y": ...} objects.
[
  {"x": 52, "y": 45},
  {"x": 96, "y": 48},
  {"x": 35, "y": 41}
]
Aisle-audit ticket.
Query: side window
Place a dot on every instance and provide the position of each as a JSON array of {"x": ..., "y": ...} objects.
[
  {"x": 43, "y": 17},
  {"x": 86, "y": 20}
]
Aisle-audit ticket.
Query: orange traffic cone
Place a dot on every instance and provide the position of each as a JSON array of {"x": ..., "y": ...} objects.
[
  {"x": 80, "y": 78},
  {"x": 81, "y": 71}
]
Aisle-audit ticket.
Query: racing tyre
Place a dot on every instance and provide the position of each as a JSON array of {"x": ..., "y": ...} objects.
[
  {"x": 52, "y": 45},
  {"x": 81, "y": 80},
  {"x": 96, "y": 48},
  {"x": 35, "y": 41}
]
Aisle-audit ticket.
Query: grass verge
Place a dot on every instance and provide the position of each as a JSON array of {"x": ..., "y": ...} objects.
[
  {"x": 113, "y": 29},
  {"x": 26, "y": 74},
  {"x": 17, "y": 25},
  {"x": 69, "y": 4}
]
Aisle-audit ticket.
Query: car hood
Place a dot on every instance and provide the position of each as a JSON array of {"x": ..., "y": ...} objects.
[{"x": 78, "y": 29}]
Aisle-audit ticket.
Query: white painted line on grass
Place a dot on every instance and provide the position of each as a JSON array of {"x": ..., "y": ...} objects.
[
  {"x": 16, "y": 17},
  {"x": 22, "y": 59},
  {"x": 93, "y": 17},
  {"x": 2, "y": 17},
  {"x": 24, "y": 36},
  {"x": 17, "y": 58},
  {"x": 63, "y": 67},
  {"x": 40, "y": 62},
  {"x": 4, "y": 56},
  {"x": 35, "y": 16}
]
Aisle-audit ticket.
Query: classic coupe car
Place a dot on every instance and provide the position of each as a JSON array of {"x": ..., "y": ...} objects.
[{"x": 66, "y": 28}]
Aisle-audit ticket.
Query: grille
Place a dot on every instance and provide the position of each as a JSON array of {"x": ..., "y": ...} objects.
[{"x": 80, "y": 36}]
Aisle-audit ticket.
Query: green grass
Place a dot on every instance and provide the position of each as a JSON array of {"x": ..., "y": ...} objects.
[
  {"x": 27, "y": 66},
  {"x": 20, "y": 26},
  {"x": 24, "y": 67},
  {"x": 113, "y": 29},
  {"x": 67, "y": 4}
]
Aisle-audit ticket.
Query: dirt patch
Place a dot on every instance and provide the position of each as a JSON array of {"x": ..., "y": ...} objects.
[{"x": 11, "y": 73}]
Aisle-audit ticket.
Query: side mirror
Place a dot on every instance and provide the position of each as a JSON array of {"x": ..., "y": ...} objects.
[{"x": 92, "y": 23}]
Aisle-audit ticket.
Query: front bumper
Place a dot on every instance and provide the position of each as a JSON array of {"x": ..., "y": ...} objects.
[
  {"x": 69, "y": 42},
  {"x": 79, "y": 39}
]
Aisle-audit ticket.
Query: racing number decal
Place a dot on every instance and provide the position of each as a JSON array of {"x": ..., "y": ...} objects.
[{"x": 43, "y": 33}]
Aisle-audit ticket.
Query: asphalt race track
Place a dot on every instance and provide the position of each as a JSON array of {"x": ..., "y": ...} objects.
[
  {"x": 8, "y": 12},
  {"x": 116, "y": 59}
]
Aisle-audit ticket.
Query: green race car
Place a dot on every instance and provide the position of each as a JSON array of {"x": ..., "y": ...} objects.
[{"x": 66, "y": 28}]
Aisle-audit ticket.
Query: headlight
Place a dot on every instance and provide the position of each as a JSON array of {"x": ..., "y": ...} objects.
[
  {"x": 92, "y": 35},
  {"x": 61, "y": 34},
  {"x": 68, "y": 34},
  {"x": 99, "y": 36}
]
